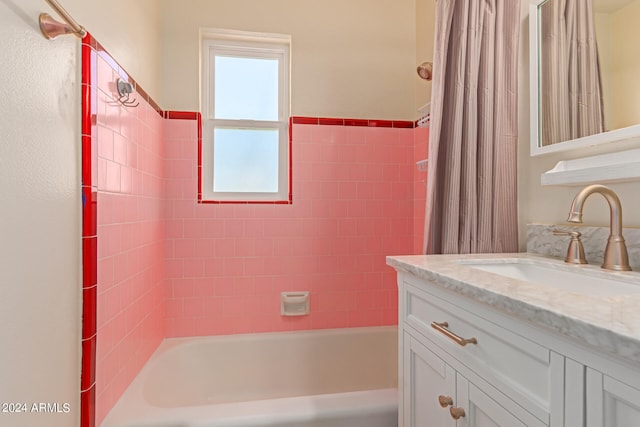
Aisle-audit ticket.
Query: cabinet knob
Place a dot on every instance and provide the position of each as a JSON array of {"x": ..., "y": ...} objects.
[
  {"x": 445, "y": 401},
  {"x": 456, "y": 413}
]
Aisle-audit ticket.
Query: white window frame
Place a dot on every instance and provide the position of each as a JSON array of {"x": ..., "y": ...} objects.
[{"x": 248, "y": 45}]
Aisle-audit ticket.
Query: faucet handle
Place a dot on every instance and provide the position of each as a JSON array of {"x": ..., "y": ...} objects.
[
  {"x": 573, "y": 234},
  {"x": 575, "y": 251}
]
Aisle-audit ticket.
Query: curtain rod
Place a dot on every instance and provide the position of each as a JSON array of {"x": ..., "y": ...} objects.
[{"x": 51, "y": 28}]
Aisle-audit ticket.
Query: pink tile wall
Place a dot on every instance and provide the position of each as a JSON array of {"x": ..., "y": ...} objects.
[
  {"x": 168, "y": 266},
  {"x": 130, "y": 179},
  {"x": 420, "y": 152},
  {"x": 225, "y": 265}
]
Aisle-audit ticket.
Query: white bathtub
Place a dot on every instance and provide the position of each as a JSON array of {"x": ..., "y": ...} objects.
[{"x": 327, "y": 378}]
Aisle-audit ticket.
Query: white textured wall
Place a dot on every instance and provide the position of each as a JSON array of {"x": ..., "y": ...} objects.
[
  {"x": 550, "y": 205},
  {"x": 351, "y": 58},
  {"x": 129, "y": 30},
  {"x": 39, "y": 219}
]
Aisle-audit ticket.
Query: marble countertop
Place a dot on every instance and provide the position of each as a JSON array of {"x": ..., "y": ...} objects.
[{"x": 608, "y": 322}]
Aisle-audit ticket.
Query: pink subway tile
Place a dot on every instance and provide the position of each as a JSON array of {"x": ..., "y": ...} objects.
[
  {"x": 232, "y": 267},
  {"x": 112, "y": 176},
  {"x": 204, "y": 247},
  {"x": 245, "y": 247},
  {"x": 227, "y": 211},
  {"x": 182, "y": 169},
  {"x": 126, "y": 181},
  {"x": 193, "y": 228},
  {"x": 173, "y": 268},
  {"x": 213, "y": 228},
  {"x": 254, "y": 266},
  {"x": 213, "y": 267},
  {"x": 105, "y": 140},
  {"x": 173, "y": 150},
  {"x": 233, "y": 324},
  {"x": 328, "y": 134},
  {"x": 282, "y": 227},
  {"x": 275, "y": 266},
  {"x": 365, "y": 190},
  {"x": 203, "y": 287},
  {"x": 223, "y": 287},
  {"x": 328, "y": 320},
  {"x": 233, "y": 305},
  {"x": 224, "y": 248},
  {"x": 363, "y": 263},
  {"x": 203, "y": 326},
  {"x": 119, "y": 149},
  {"x": 373, "y": 173},
  {"x": 181, "y": 327},
  {"x": 244, "y": 286},
  {"x": 184, "y": 248},
  {"x": 383, "y": 191},
  {"x": 193, "y": 267},
  {"x": 234, "y": 228},
  {"x": 195, "y": 307}
]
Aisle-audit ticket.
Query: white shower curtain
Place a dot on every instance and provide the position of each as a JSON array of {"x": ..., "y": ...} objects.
[
  {"x": 471, "y": 191},
  {"x": 571, "y": 91}
]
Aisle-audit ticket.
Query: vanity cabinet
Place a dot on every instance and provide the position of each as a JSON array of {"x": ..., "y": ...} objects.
[
  {"x": 435, "y": 394},
  {"x": 610, "y": 402},
  {"x": 508, "y": 373},
  {"x": 427, "y": 379}
]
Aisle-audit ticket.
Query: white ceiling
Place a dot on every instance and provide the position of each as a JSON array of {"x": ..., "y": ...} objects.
[{"x": 608, "y": 6}]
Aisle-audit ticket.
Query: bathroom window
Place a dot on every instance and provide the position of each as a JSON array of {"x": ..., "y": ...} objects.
[{"x": 245, "y": 105}]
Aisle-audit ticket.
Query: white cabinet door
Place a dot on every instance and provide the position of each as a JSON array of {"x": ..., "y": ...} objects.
[
  {"x": 611, "y": 403},
  {"x": 427, "y": 381},
  {"x": 434, "y": 392},
  {"x": 481, "y": 409}
]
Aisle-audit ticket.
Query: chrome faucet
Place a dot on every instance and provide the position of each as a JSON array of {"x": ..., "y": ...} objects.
[{"x": 615, "y": 254}]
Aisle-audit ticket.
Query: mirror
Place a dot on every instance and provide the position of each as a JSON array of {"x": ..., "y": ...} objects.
[{"x": 576, "y": 102}]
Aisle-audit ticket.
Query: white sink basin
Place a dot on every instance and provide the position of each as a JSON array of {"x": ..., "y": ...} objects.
[{"x": 559, "y": 276}]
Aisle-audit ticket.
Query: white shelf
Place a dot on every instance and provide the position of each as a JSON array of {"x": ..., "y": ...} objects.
[
  {"x": 622, "y": 166},
  {"x": 425, "y": 116}
]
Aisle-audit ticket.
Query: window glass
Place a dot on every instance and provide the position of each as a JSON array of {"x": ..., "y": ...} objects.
[
  {"x": 245, "y": 161},
  {"x": 246, "y": 88}
]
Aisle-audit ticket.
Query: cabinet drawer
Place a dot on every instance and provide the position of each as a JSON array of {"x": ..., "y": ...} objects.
[{"x": 517, "y": 366}]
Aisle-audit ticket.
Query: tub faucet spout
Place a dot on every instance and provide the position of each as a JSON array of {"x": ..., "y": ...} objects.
[{"x": 615, "y": 253}]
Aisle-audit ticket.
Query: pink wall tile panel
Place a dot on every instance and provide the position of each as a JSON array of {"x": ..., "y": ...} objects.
[
  {"x": 130, "y": 301},
  {"x": 225, "y": 265},
  {"x": 421, "y": 151}
]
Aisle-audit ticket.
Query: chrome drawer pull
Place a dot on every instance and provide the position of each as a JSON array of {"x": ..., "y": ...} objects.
[{"x": 442, "y": 328}]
